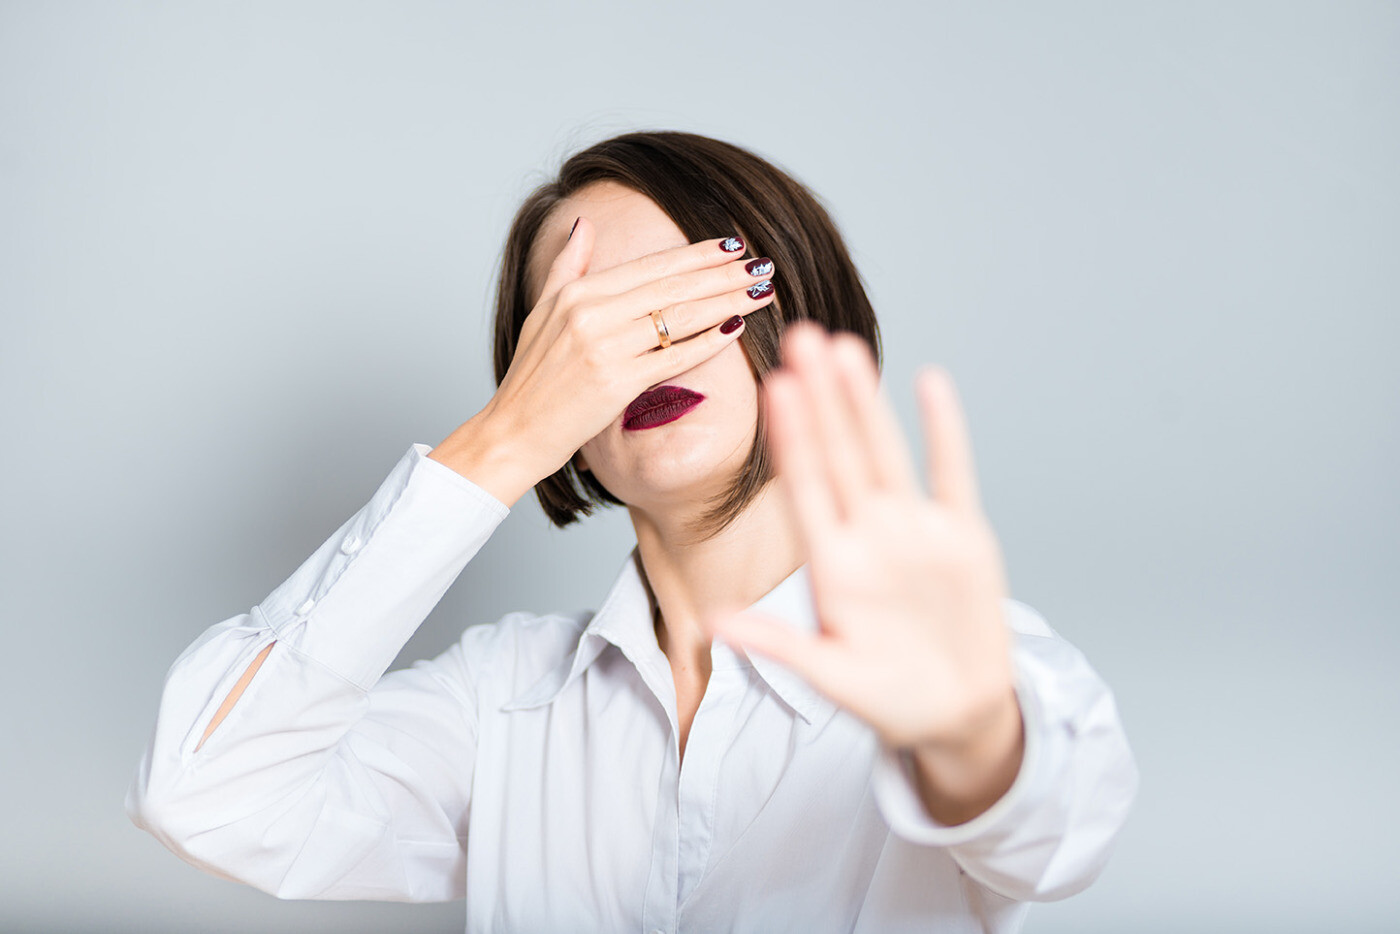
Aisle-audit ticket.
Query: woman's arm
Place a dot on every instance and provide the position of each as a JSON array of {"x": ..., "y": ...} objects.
[
  {"x": 234, "y": 695},
  {"x": 285, "y": 758},
  {"x": 1050, "y": 835}
]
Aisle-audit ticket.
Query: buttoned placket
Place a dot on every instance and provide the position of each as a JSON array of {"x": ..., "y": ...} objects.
[
  {"x": 711, "y": 733},
  {"x": 688, "y": 789}
]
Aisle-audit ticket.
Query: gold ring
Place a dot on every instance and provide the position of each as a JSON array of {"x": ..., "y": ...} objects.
[{"x": 661, "y": 330}]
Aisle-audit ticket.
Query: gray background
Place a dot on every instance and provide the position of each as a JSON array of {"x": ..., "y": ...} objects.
[{"x": 246, "y": 255}]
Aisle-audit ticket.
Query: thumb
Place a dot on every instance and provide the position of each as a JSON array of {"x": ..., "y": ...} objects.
[
  {"x": 803, "y": 652},
  {"x": 572, "y": 261}
]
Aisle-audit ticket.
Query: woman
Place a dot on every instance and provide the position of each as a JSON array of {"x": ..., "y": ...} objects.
[{"x": 806, "y": 703}]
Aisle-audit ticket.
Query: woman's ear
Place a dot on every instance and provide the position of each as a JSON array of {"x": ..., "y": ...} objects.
[{"x": 579, "y": 463}]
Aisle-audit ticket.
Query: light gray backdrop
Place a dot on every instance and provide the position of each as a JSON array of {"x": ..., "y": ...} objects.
[{"x": 246, "y": 255}]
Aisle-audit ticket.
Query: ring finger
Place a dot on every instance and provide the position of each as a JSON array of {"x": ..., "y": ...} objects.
[{"x": 685, "y": 319}]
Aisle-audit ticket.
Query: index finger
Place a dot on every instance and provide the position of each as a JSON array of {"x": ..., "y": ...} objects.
[{"x": 702, "y": 254}]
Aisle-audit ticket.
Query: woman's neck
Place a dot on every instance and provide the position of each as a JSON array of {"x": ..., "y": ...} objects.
[{"x": 691, "y": 581}]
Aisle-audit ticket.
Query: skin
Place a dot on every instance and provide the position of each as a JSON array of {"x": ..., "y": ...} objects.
[
  {"x": 907, "y": 585},
  {"x": 934, "y": 677},
  {"x": 665, "y": 474}
]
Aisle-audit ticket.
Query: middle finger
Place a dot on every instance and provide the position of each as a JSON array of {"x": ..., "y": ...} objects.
[{"x": 689, "y": 307}]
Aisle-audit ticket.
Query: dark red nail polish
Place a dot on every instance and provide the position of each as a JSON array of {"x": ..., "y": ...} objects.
[
  {"x": 763, "y": 266},
  {"x": 732, "y": 325},
  {"x": 732, "y": 244},
  {"x": 760, "y": 290}
]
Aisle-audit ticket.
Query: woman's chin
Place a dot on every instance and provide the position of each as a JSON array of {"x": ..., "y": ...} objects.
[{"x": 667, "y": 486}]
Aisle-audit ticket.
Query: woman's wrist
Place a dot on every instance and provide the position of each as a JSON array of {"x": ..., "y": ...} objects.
[{"x": 482, "y": 450}]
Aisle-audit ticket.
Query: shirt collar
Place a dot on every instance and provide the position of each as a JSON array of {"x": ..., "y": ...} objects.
[{"x": 625, "y": 621}]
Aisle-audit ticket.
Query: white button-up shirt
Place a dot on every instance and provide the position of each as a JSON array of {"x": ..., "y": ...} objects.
[{"x": 534, "y": 767}]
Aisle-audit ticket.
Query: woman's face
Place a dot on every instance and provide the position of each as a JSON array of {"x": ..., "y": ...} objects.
[{"x": 697, "y": 455}]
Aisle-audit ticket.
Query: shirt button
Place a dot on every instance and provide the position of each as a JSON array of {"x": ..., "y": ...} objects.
[
  {"x": 350, "y": 545},
  {"x": 305, "y": 607}
]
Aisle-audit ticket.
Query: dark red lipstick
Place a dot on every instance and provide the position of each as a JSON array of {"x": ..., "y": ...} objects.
[{"x": 659, "y": 406}]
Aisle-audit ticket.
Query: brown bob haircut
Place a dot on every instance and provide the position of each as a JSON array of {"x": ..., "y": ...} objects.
[{"x": 710, "y": 189}]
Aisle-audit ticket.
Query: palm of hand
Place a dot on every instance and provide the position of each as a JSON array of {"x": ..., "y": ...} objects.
[{"x": 907, "y": 587}]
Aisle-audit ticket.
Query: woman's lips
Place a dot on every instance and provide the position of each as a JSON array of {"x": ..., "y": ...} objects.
[{"x": 659, "y": 406}]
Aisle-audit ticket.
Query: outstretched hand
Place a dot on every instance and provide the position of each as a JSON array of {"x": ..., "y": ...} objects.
[{"x": 907, "y": 585}]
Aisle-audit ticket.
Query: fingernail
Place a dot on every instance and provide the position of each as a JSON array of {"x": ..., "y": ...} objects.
[
  {"x": 763, "y": 266},
  {"x": 573, "y": 228},
  {"x": 732, "y": 245},
  {"x": 760, "y": 290},
  {"x": 732, "y": 325}
]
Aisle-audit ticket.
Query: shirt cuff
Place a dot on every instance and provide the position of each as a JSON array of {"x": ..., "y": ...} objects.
[
  {"x": 897, "y": 796},
  {"x": 355, "y": 602}
]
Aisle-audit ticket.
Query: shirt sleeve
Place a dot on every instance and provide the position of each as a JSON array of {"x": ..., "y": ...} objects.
[
  {"x": 1052, "y": 832},
  {"x": 329, "y": 779}
]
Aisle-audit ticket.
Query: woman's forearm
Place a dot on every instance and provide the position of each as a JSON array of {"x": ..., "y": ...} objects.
[{"x": 485, "y": 450}]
